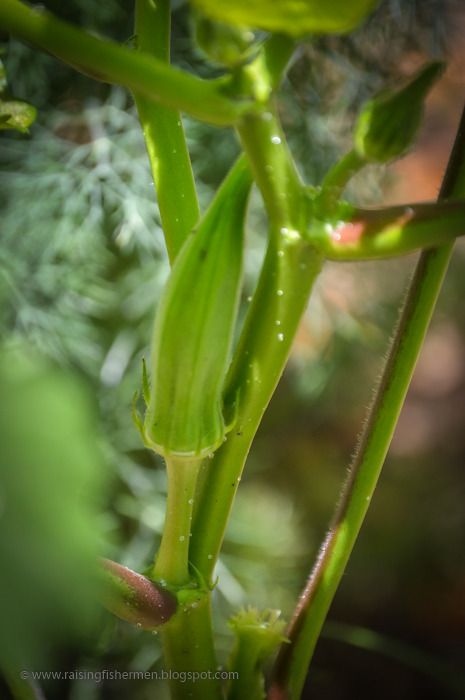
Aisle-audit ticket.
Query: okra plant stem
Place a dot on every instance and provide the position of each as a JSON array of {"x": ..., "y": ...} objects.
[
  {"x": 171, "y": 564},
  {"x": 289, "y": 270},
  {"x": 274, "y": 170},
  {"x": 276, "y": 309},
  {"x": 106, "y": 61},
  {"x": 164, "y": 134},
  {"x": 188, "y": 649},
  {"x": 294, "y": 658},
  {"x": 339, "y": 175}
]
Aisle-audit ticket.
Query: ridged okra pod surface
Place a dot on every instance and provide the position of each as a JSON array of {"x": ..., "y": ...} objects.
[{"x": 194, "y": 327}]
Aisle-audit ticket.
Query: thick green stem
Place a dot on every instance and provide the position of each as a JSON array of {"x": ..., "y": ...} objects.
[
  {"x": 294, "y": 658},
  {"x": 189, "y": 655},
  {"x": 107, "y": 61},
  {"x": 164, "y": 134},
  {"x": 274, "y": 170},
  {"x": 289, "y": 270},
  {"x": 288, "y": 273},
  {"x": 172, "y": 562}
]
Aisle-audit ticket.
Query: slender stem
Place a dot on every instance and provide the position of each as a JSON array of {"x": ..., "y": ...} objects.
[
  {"x": 277, "y": 53},
  {"x": 294, "y": 658},
  {"x": 287, "y": 276},
  {"x": 164, "y": 134},
  {"x": 189, "y": 653},
  {"x": 389, "y": 232},
  {"x": 339, "y": 175},
  {"x": 172, "y": 562},
  {"x": 107, "y": 61}
]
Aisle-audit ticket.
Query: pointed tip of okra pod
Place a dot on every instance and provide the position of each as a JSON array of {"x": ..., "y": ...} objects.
[{"x": 135, "y": 598}]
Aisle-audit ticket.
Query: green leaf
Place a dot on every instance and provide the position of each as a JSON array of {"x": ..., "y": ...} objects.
[
  {"x": 15, "y": 114},
  {"x": 50, "y": 478},
  {"x": 294, "y": 17},
  {"x": 2, "y": 77}
]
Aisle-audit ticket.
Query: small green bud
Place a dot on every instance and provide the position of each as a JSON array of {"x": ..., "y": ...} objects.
[
  {"x": 194, "y": 328},
  {"x": 134, "y": 598},
  {"x": 388, "y": 124},
  {"x": 258, "y": 634},
  {"x": 223, "y": 43}
]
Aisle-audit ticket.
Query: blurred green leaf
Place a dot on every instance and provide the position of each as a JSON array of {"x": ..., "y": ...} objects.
[
  {"x": 2, "y": 77},
  {"x": 294, "y": 17},
  {"x": 50, "y": 475},
  {"x": 15, "y": 114}
]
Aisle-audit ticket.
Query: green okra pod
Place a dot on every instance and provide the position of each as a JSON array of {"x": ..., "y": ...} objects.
[{"x": 194, "y": 328}]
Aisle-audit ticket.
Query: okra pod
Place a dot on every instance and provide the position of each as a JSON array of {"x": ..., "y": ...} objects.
[{"x": 194, "y": 328}]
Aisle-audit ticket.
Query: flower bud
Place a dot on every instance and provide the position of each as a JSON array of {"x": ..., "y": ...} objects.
[
  {"x": 388, "y": 124},
  {"x": 134, "y": 598},
  {"x": 258, "y": 634}
]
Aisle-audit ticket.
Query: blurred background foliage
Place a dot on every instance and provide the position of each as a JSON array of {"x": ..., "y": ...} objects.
[{"x": 82, "y": 263}]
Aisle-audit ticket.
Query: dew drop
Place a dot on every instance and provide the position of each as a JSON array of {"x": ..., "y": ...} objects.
[
  {"x": 276, "y": 140},
  {"x": 182, "y": 538},
  {"x": 280, "y": 253},
  {"x": 210, "y": 556},
  {"x": 284, "y": 230},
  {"x": 278, "y": 322},
  {"x": 190, "y": 501},
  {"x": 249, "y": 299},
  {"x": 267, "y": 116},
  {"x": 280, "y": 292},
  {"x": 280, "y": 337}
]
